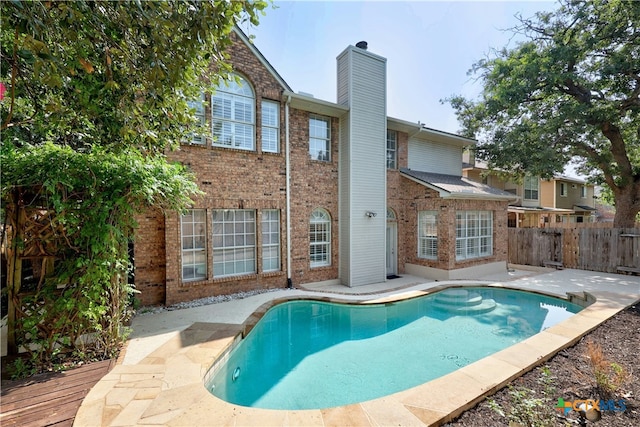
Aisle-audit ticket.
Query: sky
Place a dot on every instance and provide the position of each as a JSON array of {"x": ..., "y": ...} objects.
[{"x": 429, "y": 45}]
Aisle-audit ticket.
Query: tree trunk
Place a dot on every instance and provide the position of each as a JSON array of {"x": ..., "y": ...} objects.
[{"x": 627, "y": 200}]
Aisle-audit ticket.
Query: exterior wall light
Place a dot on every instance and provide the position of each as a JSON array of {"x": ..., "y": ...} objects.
[{"x": 370, "y": 214}]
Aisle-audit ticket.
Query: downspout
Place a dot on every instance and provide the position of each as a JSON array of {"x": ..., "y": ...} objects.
[{"x": 288, "y": 189}]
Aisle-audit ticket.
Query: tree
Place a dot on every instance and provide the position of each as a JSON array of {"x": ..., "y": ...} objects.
[
  {"x": 569, "y": 92},
  {"x": 96, "y": 93},
  {"x": 116, "y": 74}
]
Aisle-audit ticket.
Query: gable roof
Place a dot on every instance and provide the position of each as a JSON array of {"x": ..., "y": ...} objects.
[
  {"x": 261, "y": 58},
  {"x": 456, "y": 187}
]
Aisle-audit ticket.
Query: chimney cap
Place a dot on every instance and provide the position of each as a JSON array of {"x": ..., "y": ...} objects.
[{"x": 362, "y": 45}]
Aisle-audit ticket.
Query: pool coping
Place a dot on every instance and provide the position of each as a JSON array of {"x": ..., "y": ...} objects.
[{"x": 167, "y": 386}]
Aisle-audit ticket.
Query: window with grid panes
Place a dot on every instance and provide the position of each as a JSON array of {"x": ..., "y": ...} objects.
[
  {"x": 270, "y": 240},
  {"x": 193, "y": 229},
  {"x": 474, "y": 234},
  {"x": 531, "y": 187},
  {"x": 233, "y": 116},
  {"x": 392, "y": 149},
  {"x": 270, "y": 126},
  {"x": 319, "y": 138},
  {"x": 428, "y": 234},
  {"x": 234, "y": 242},
  {"x": 320, "y": 238},
  {"x": 198, "y": 110}
]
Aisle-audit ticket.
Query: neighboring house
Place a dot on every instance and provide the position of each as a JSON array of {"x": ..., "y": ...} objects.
[
  {"x": 540, "y": 202},
  {"x": 300, "y": 190}
]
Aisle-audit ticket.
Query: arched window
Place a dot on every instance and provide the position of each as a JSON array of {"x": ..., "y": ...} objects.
[
  {"x": 320, "y": 238},
  {"x": 233, "y": 114},
  {"x": 391, "y": 215}
]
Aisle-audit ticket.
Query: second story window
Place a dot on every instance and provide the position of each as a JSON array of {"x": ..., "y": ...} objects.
[
  {"x": 270, "y": 126},
  {"x": 233, "y": 115},
  {"x": 319, "y": 138},
  {"x": 197, "y": 107},
  {"x": 563, "y": 189},
  {"x": 392, "y": 149},
  {"x": 531, "y": 188},
  {"x": 583, "y": 191}
]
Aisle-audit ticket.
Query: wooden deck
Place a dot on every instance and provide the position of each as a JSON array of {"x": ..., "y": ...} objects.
[{"x": 49, "y": 399}]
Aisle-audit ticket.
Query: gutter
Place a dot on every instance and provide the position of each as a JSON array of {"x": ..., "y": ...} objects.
[{"x": 288, "y": 190}]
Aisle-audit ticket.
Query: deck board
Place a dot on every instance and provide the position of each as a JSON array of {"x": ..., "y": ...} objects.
[{"x": 51, "y": 399}]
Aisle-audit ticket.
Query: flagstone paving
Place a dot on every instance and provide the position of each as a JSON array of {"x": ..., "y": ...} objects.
[{"x": 160, "y": 380}]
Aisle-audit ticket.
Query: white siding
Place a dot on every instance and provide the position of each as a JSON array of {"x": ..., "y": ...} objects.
[
  {"x": 363, "y": 176},
  {"x": 344, "y": 201},
  {"x": 343, "y": 79},
  {"x": 434, "y": 157}
]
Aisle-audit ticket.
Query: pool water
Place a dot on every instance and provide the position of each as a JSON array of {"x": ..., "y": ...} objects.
[{"x": 312, "y": 355}]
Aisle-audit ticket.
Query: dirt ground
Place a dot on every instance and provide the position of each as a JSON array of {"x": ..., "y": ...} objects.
[{"x": 532, "y": 399}]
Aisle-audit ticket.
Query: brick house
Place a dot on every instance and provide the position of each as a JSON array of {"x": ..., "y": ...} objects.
[{"x": 300, "y": 190}]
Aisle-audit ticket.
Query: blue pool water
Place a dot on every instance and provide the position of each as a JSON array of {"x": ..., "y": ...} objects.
[{"x": 311, "y": 355}]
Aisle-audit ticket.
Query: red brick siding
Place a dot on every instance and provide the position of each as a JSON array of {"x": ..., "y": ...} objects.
[
  {"x": 314, "y": 184},
  {"x": 149, "y": 258},
  {"x": 420, "y": 198}
]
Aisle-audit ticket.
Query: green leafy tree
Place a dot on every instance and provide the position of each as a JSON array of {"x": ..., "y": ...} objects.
[
  {"x": 569, "y": 92},
  {"x": 96, "y": 93},
  {"x": 111, "y": 73}
]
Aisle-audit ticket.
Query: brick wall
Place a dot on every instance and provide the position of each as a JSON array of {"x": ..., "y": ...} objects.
[
  {"x": 240, "y": 179},
  {"x": 314, "y": 184},
  {"x": 149, "y": 258},
  {"x": 418, "y": 198},
  {"x": 230, "y": 179}
]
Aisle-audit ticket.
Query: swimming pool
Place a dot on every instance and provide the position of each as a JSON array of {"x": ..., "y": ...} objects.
[{"x": 309, "y": 354}]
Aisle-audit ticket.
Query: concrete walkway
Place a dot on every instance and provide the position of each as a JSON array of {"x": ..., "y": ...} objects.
[{"x": 160, "y": 380}]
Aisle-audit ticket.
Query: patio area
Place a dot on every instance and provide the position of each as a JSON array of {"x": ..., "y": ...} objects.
[{"x": 159, "y": 379}]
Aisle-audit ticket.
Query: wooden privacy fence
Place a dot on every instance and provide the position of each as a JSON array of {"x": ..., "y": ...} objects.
[{"x": 611, "y": 250}]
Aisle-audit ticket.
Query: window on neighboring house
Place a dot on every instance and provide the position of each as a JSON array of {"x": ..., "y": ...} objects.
[
  {"x": 392, "y": 149},
  {"x": 234, "y": 242},
  {"x": 233, "y": 118},
  {"x": 199, "y": 113},
  {"x": 474, "y": 234},
  {"x": 319, "y": 138},
  {"x": 320, "y": 238},
  {"x": 563, "y": 189},
  {"x": 428, "y": 234},
  {"x": 193, "y": 229},
  {"x": 270, "y": 240},
  {"x": 270, "y": 126},
  {"x": 531, "y": 187},
  {"x": 583, "y": 191}
]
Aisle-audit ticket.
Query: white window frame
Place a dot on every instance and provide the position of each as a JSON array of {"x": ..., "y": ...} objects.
[
  {"x": 474, "y": 234},
  {"x": 193, "y": 237},
  {"x": 234, "y": 242},
  {"x": 392, "y": 149},
  {"x": 563, "y": 189},
  {"x": 583, "y": 192},
  {"x": 319, "y": 238},
  {"x": 200, "y": 114},
  {"x": 428, "y": 234},
  {"x": 233, "y": 115},
  {"x": 319, "y": 138},
  {"x": 270, "y": 126},
  {"x": 531, "y": 186},
  {"x": 270, "y": 227}
]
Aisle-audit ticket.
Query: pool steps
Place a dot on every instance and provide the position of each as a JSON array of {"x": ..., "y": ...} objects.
[{"x": 462, "y": 301}]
